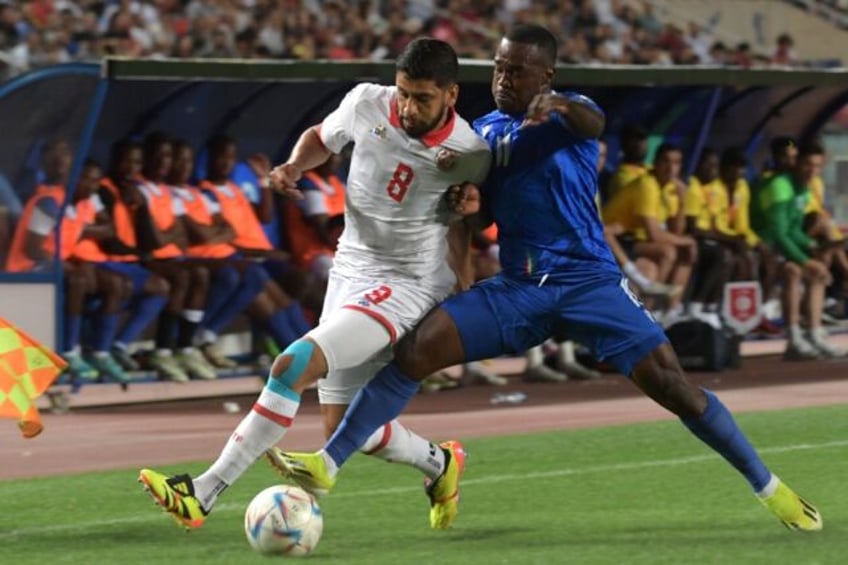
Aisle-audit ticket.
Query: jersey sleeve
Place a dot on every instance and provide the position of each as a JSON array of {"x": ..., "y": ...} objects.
[
  {"x": 210, "y": 200},
  {"x": 313, "y": 203},
  {"x": 44, "y": 216},
  {"x": 97, "y": 203},
  {"x": 178, "y": 206},
  {"x": 336, "y": 130},
  {"x": 648, "y": 198},
  {"x": 480, "y": 163},
  {"x": 575, "y": 98}
]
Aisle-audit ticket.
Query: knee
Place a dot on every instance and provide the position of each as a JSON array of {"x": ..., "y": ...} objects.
[
  {"x": 300, "y": 365},
  {"x": 199, "y": 277},
  {"x": 76, "y": 281},
  {"x": 158, "y": 285},
  {"x": 411, "y": 361},
  {"x": 256, "y": 277},
  {"x": 791, "y": 272},
  {"x": 226, "y": 278},
  {"x": 668, "y": 253}
]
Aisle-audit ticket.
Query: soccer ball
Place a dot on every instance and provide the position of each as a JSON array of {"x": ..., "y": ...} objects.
[{"x": 283, "y": 520}]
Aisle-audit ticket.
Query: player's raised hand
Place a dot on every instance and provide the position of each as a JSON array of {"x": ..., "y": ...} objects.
[
  {"x": 464, "y": 199},
  {"x": 283, "y": 178}
]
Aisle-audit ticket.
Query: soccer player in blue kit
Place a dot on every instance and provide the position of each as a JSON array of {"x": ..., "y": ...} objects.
[{"x": 558, "y": 277}]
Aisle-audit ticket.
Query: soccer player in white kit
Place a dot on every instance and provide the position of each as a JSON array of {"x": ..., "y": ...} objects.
[{"x": 390, "y": 269}]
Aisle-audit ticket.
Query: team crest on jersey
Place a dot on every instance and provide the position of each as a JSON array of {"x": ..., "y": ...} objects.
[
  {"x": 446, "y": 159},
  {"x": 379, "y": 131}
]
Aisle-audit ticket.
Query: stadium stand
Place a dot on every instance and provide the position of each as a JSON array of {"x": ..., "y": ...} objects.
[{"x": 37, "y": 33}]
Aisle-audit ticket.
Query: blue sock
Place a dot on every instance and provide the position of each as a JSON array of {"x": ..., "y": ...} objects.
[
  {"x": 281, "y": 330},
  {"x": 380, "y": 401},
  {"x": 144, "y": 311},
  {"x": 251, "y": 283},
  {"x": 73, "y": 331},
  {"x": 224, "y": 282},
  {"x": 105, "y": 327},
  {"x": 298, "y": 321},
  {"x": 716, "y": 428}
]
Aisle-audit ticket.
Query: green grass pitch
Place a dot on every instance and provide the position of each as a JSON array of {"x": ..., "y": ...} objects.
[{"x": 647, "y": 493}]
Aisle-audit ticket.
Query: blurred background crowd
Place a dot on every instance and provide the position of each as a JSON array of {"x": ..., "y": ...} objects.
[{"x": 35, "y": 33}]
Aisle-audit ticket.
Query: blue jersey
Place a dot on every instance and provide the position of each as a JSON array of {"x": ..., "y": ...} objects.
[{"x": 541, "y": 193}]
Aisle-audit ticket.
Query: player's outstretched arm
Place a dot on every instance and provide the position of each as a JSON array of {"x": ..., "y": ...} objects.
[
  {"x": 585, "y": 120},
  {"x": 308, "y": 153}
]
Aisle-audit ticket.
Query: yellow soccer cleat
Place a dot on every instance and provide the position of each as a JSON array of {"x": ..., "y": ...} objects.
[
  {"x": 795, "y": 512},
  {"x": 307, "y": 470},
  {"x": 444, "y": 491},
  {"x": 176, "y": 495}
]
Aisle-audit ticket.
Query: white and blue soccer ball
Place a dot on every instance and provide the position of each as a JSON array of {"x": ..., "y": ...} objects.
[{"x": 283, "y": 520}]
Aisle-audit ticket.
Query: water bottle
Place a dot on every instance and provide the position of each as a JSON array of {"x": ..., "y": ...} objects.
[{"x": 508, "y": 398}]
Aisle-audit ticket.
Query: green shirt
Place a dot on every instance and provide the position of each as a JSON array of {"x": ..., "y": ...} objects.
[{"x": 778, "y": 216}]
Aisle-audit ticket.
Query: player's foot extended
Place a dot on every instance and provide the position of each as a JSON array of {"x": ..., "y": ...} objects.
[
  {"x": 795, "y": 512},
  {"x": 444, "y": 491},
  {"x": 175, "y": 495},
  {"x": 307, "y": 470}
]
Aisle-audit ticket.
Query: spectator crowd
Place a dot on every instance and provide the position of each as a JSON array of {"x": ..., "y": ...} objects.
[{"x": 35, "y": 33}]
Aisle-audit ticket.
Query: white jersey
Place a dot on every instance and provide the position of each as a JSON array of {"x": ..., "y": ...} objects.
[{"x": 396, "y": 220}]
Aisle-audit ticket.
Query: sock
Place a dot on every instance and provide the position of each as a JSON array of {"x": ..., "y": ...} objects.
[
  {"x": 73, "y": 331},
  {"x": 297, "y": 319},
  {"x": 770, "y": 488},
  {"x": 716, "y": 428},
  {"x": 105, "y": 327},
  {"x": 633, "y": 273},
  {"x": 795, "y": 333},
  {"x": 166, "y": 330},
  {"x": 187, "y": 327},
  {"x": 695, "y": 308},
  {"x": 380, "y": 401},
  {"x": 280, "y": 329},
  {"x": 251, "y": 284},
  {"x": 143, "y": 313},
  {"x": 224, "y": 283},
  {"x": 262, "y": 428},
  {"x": 397, "y": 444},
  {"x": 535, "y": 357},
  {"x": 818, "y": 335},
  {"x": 206, "y": 336},
  {"x": 565, "y": 353}
]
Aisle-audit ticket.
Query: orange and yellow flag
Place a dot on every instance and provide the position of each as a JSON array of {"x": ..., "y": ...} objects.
[{"x": 27, "y": 369}]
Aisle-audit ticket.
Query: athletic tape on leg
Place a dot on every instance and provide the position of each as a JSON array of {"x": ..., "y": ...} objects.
[{"x": 301, "y": 352}]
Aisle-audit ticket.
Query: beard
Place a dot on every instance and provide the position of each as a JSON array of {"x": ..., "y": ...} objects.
[{"x": 420, "y": 129}]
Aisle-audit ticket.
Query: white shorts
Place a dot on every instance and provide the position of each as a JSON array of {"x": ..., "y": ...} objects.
[{"x": 396, "y": 305}]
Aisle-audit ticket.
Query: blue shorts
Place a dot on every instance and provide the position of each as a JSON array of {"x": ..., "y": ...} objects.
[
  {"x": 133, "y": 271},
  {"x": 503, "y": 315}
]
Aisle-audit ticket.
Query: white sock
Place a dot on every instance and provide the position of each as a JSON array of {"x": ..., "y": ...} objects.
[
  {"x": 633, "y": 273},
  {"x": 795, "y": 334},
  {"x": 770, "y": 488},
  {"x": 262, "y": 428},
  {"x": 205, "y": 337},
  {"x": 398, "y": 444},
  {"x": 695, "y": 308},
  {"x": 565, "y": 353},
  {"x": 192, "y": 315},
  {"x": 535, "y": 357},
  {"x": 71, "y": 352},
  {"x": 818, "y": 335}
]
